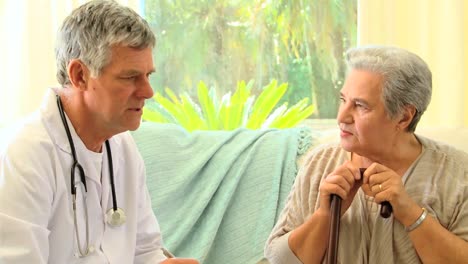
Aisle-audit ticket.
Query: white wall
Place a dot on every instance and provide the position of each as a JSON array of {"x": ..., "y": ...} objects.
[
  {"x": 27, "y": 38},
  {"x": 437, "y": 31}
]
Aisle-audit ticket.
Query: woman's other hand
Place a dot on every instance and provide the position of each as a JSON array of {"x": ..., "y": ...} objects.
[{"x": 385, "y": 184}]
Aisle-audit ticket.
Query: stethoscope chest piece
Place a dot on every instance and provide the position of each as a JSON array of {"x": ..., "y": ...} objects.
[{"x": 115, "y": 217}]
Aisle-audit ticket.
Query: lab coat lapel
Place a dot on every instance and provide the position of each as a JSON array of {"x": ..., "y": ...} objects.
[
  {"x": 54, "y": 125},
  {"x": 53, "y": 122}
]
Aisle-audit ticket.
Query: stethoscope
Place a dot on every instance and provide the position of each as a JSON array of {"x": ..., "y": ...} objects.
[{"x": 115, "y": 216}]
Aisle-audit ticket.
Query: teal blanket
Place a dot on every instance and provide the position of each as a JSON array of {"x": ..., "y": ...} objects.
[{"x": 217, "y": 194}]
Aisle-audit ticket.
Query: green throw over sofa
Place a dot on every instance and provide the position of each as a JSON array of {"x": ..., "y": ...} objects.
[{"x": 218, "y": 194}]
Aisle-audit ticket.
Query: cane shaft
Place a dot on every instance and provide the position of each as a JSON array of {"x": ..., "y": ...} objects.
[{"x": 335, "y": 210}]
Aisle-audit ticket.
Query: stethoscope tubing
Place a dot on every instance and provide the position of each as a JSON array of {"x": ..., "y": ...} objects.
[
  {"x": 78, "y": 165},
  {"x": 73, "y": 152},
  {"x": 119, "y": 213},
  {"x": 111, "y": 176}
]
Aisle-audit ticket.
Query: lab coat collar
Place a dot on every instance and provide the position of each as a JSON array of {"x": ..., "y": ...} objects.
[{"x": 53, "y": 124}]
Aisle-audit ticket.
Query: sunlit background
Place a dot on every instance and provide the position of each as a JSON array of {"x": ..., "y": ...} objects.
[{"x": 223, "y": 42}]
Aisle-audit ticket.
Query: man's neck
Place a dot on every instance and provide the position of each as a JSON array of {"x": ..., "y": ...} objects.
[{"x": 82, "y": 121}]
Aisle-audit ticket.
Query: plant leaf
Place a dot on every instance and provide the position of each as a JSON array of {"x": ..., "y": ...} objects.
[
  {"x": 175, "y": 110},
  {"x": 265, "y": 103},
  {"x": 192, "y": 113},
  {"x": 294, "y": 115},
  {"x": 236, "y": 107},
  {"x": 153, "y": 116},
  {"x": 208, "y": 107}
]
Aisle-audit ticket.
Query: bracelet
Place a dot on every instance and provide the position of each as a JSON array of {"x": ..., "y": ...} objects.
[{"x": 418, "y": 221}]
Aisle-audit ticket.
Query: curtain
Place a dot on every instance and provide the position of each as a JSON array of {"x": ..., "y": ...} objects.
[
  {"x": 27, "y": 38},
  {"x": 438, "y": 32}
]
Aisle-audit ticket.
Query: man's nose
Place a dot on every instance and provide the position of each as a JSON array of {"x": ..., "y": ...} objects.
[{"x": 146, "y": 91}]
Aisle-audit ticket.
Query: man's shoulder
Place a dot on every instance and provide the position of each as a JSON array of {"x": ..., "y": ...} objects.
[
  {"x": 126, "y": 145},
  {"x": 23, "y": 136},
  {"x": 124, "y": 140}
]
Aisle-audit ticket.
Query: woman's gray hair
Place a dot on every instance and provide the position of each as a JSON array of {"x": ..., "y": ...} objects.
[
  {"x": 407, "y": 78},
  {"x": 91, "y": 30}
]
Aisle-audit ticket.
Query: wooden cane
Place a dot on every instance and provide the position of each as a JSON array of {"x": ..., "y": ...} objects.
[
  {"x": 334, "y": 235},
  {"x": 335, "y": 210},
  {"x": 333, "y": 239}
]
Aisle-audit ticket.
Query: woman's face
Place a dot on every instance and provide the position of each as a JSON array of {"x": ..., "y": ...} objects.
[{"x": 365, "y": 128}]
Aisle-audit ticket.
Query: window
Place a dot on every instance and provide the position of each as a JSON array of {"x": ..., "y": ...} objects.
[{"x": 223, "y": 42}]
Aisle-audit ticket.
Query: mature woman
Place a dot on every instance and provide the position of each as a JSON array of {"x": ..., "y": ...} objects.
[{"x": 386, "y": 92}]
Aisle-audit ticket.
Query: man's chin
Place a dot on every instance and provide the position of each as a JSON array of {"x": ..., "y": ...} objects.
[
  {"x": 134, "y": 127},
  {"x": 129, "y": 126}
]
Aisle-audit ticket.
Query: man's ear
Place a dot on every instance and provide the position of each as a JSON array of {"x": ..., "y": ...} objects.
[
  {"x": 407, "y": 116},
  {"x": 78, "y": 74}
]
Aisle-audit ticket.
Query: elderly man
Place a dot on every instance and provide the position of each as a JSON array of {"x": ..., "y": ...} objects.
[{"x": 72, "y": 183}]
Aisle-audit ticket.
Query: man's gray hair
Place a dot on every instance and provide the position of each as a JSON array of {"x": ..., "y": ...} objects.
[
  {"x": 407, "y": 78},
  {"x": 91, "y": 30}
]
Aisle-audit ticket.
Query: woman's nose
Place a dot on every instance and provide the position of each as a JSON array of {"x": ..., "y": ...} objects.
[{"x": 344, "y": 114}]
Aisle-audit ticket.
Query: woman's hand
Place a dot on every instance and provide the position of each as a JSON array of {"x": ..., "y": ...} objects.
[
  {"x": 344, "y": 182},
  {"x": 385, "y": 184}
]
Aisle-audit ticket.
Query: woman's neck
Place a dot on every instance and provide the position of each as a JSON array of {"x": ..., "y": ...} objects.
[{"x": 399, "y": 158}]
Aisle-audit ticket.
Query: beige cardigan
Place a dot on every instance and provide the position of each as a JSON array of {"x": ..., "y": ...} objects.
[{"x": 437, "y": 180}]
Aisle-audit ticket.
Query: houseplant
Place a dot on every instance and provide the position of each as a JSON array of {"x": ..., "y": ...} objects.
[{"x": 239, "y": 109}]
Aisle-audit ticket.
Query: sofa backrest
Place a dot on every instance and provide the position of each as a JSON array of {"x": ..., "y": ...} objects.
[{"x": 217, "y": 194}]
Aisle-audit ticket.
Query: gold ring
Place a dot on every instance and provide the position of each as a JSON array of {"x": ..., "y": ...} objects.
[{"x": 380, "y": 187}]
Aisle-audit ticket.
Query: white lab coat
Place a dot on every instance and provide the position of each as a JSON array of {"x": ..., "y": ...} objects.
[{"x": 36, "y": 216}]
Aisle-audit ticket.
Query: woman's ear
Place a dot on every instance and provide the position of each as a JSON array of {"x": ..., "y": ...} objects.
[
  {"x": 78, "y": 74},
  {"x": 407, "y": 116}
]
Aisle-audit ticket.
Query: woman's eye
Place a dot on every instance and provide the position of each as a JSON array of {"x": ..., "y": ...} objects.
[{"x": 361, "y": 106}]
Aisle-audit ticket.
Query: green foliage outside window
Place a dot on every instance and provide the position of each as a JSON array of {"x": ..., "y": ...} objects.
[
  {"x": 221, "y": 42},
  {"x": 241, "y": 109}
]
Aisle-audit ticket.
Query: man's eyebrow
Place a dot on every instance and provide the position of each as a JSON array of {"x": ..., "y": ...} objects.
[{"x": 135, "y": 72}]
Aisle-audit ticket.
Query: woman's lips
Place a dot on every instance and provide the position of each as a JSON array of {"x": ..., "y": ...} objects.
[{"x": 344, "y": 133}]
